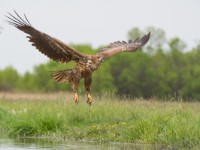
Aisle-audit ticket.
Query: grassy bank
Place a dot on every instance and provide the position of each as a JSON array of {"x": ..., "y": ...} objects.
[{"x": 139, "y": 121}]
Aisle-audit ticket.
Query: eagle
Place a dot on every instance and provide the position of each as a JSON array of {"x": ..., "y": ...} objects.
[{"x": 60, "y": 52}]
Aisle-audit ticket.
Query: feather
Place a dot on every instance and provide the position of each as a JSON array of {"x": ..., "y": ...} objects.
[
  {"x": 49, "y": 46},
  {"x": 116, "y": 47}
]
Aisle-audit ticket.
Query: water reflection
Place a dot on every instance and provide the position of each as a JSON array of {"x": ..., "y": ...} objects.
[{"x": 27, "y": 144}]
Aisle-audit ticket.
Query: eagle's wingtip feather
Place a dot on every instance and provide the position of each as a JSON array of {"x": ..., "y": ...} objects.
[{"x": 145, "y": 39}]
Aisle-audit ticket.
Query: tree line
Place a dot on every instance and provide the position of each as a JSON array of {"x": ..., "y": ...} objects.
[{"x": 162, "y": 69}]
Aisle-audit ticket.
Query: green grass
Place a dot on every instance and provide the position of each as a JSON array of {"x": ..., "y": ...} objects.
[{"x": 174, "y": 124}]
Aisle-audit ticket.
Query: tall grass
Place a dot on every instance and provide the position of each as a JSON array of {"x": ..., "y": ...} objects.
[{"x": 139, "y": 121}]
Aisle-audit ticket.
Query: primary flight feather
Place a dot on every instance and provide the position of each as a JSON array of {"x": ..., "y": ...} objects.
[{"x": 63, "y": 53}]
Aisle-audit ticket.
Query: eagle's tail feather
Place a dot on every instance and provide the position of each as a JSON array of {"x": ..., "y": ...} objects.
[{"x": 62, "y": 76}]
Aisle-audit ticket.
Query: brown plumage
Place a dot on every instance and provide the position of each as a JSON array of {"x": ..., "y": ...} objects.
[{"x": 60, "y": 52}]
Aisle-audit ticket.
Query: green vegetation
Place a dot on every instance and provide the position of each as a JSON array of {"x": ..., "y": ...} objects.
[
  {"x": 163, "y": 69},
  {"x": 171, "y": 124}
]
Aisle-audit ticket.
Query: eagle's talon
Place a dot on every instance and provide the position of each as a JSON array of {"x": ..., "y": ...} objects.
[
  {"x": 76, "y": 98},
  {"x": 89, "y": 99}
]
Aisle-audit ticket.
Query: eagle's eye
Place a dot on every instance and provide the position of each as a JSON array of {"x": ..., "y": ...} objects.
[{"x": 101, "y": 59}]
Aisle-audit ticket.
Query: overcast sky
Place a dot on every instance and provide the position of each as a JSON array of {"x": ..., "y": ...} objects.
[{"x": 96, "y": 22}]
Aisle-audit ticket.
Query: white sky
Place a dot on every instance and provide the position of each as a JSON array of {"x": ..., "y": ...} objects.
[{"x": 96, "y": 22}]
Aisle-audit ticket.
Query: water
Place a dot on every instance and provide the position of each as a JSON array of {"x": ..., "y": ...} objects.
[
  {"x": 24, "y": 144},
  {"x": 30, "y": 144}
]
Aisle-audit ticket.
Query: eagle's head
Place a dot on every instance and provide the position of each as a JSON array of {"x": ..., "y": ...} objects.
[
  {"x": 100, "y": 59},
  {"x": 94, "y": 61}
]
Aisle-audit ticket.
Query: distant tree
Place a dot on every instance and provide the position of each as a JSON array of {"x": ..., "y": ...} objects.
[
  {"x": 1, "y": 28},
  {"x": 134, "y": 33},
  {"x": 106, "y": 78},
  {"x": 192, "y": 74},
  {"x": 8, "y": 79},
  {"x": 197, "y": 46},
  {"x": 177, "y": 44}
]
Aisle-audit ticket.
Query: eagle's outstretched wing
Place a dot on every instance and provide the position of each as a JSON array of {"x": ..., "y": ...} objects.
[
  {"x": 131, "y": 46},
  {"x": 50, "y": 46}
]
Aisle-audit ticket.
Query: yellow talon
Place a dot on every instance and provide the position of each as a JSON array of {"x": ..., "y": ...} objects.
[
  {"x": 89, "y": 101},
  {"x": 76, "y": 98}
]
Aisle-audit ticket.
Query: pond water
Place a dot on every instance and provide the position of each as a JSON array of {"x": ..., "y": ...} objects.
[{"x": 27, "y": 144}]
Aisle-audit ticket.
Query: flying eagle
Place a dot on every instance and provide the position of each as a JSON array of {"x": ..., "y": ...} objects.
[{"x": 63, "y": 53}]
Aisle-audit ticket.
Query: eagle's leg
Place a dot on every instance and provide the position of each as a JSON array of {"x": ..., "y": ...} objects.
[
  {"x": 75, "y": 87},
  {"x": 87, "y": 84}
]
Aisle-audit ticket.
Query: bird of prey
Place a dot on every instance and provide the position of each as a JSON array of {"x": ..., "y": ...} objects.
[{"x": 63, "y": 53}]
